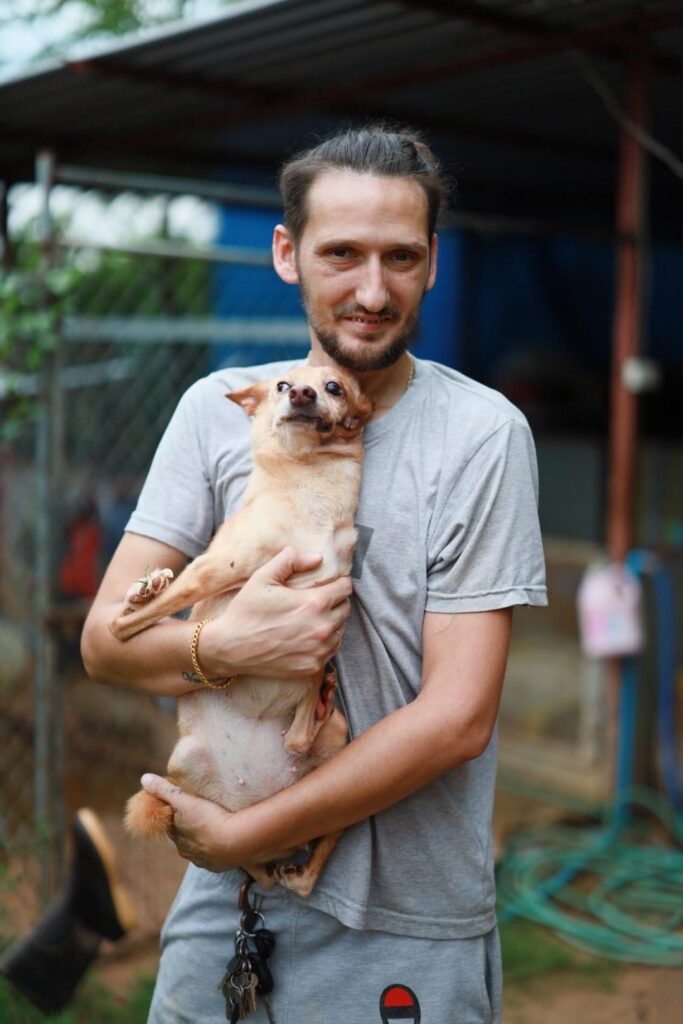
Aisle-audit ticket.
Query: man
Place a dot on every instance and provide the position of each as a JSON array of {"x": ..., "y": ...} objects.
[{"x": 402, "y": 921}]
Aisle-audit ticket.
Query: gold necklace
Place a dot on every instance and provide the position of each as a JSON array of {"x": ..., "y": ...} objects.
[{"x": 411, "y": 374}]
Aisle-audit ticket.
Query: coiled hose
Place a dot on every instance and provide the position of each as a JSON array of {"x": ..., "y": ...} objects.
[{"x": 603, "y": 889}]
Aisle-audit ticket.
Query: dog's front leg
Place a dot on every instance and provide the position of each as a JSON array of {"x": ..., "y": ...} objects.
[
  {"x": 209, "y": 575},
  {"x": 144, "y": 590}
]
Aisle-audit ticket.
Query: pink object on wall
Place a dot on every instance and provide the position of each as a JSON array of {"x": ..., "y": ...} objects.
[{"x": 609, "y": 604}]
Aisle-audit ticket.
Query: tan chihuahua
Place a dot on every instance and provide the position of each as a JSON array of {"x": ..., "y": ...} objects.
[{"x": 243, "y": 744}]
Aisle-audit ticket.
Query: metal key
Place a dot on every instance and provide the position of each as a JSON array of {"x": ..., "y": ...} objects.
[
  {"x": 248, "y": 973},
  {"x": 239, "y": 990}
]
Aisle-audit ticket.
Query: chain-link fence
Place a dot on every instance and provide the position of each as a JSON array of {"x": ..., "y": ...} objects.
[{"x": 125, "y": 329}]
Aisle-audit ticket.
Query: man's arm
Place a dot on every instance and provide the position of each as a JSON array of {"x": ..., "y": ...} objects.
[
  {"x": 450, "y": 722},
  {"x": 268, "y": 628}
]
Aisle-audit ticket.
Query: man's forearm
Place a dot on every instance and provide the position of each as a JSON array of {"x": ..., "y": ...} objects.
[
  {"x": 157, "y": 660},
  {"x": 392, "y": 760}
]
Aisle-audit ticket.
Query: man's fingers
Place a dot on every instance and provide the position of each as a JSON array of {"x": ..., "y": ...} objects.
[
  {"x": 162, "y": 788},
  {"x": 286, "y": 563},
  {"x": 337, "y": 593},
  {"x": 186, "y": 806}
]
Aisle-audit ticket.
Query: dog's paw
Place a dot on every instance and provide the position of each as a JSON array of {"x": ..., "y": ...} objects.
[
  {"x": 328, "y": 688},
  {"x": 299, "y": 880},
  {"x": 146, "y": 588}
]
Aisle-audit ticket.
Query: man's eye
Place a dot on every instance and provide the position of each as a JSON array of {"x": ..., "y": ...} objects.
[
  {"x": 342, "y": 252},
  {"x": 333, "y": 388},
  {"x": 283, "y": 386},
  {"x": 403, "y": 257}
]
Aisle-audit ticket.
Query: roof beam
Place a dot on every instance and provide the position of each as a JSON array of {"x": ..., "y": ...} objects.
[
  {"x": 268, "y": 101},
  {"x": 618, "y": 37}
]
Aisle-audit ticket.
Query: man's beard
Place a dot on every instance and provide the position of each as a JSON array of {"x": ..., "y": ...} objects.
[{"x": 370, "y": 360}]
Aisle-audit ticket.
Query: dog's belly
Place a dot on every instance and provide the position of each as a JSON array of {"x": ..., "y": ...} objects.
[
  {"x": 232, "y": 756},
  {"x": 232, "y": 749}
]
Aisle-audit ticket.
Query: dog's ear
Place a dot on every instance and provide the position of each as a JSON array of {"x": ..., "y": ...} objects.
[
  {"x": 249, "y": 398},
  {"x": 359, "y": 415}
]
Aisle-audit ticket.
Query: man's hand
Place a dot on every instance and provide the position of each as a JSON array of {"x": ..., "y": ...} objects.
[
  {"x": 199, "y": 826},
  {"x": 202, "y": 830},
  {"x": 271, "y": 628}
]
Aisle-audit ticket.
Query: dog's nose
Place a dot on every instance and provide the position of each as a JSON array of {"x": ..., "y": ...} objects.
[{"x": 302, "y": 394}]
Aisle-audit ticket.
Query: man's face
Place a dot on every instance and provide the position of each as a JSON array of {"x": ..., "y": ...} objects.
[{"x": 364, "y": 262}]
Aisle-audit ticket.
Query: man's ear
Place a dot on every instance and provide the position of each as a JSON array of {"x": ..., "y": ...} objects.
[
  {"x": 284, "y": 255},
  {"x": 433, "y": 261},
  {"x": 249, "y": 398}
]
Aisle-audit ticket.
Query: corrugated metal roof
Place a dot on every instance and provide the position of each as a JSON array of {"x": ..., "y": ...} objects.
[{"x": 495, "y": 85}]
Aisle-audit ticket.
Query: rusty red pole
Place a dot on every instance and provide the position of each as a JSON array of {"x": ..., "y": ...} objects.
[
  {"x": 628, "y": 322},
  {"x": 631, "y": 216}
]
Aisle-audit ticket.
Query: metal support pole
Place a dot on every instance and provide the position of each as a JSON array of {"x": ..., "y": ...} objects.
[
  {"x": 628, "y": 322},
  {"x": 48, "y": 770},
  {"x": 627, "y": 332}
]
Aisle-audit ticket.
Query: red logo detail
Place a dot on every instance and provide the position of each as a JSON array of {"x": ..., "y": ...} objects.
[{"x": 398, "y": 1002}]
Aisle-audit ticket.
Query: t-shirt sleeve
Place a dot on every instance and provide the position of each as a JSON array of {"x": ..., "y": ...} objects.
[
  {"x": 176, "y": 504},
  {"x": 485, "y": 549}
]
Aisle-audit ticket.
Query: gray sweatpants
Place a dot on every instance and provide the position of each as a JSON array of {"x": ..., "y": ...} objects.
[{"x": 324, "y": 972}]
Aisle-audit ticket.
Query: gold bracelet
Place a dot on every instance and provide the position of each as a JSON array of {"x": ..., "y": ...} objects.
[{"x": 195, "y": 664}]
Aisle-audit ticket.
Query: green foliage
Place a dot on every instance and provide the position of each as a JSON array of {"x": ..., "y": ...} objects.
[
  {"x": 93, "y": 1003},
  {"x": 104, "y": 17},
  {"x": 31, "y": 307},
  {"x": 99, "y": 18}
]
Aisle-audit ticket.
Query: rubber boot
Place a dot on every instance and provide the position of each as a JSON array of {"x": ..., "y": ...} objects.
[{"x": 47, "y": 964}]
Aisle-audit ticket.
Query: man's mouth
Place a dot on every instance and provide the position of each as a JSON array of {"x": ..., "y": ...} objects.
[
  {"x": 375, "y": 321},
  {"x": 367, "y": 324}
]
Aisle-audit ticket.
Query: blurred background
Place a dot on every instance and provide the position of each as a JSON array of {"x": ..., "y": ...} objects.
[{"x": 139, "y": 147}]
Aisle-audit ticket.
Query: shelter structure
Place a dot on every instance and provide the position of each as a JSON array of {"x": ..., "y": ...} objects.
[
  {"x": 544, "y": 111},
  {"x": 560, "y": 120}
]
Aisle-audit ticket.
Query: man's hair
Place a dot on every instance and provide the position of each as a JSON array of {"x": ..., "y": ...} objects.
[{"x": 374, "y": 149}]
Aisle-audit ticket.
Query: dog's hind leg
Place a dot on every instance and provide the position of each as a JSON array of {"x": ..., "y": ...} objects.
[
  {"x": 191, "y": 768},
  {"x": 305, "y": 726},
  {"x": 148, "y": 817},
  {"x": 301, "y": 880}
]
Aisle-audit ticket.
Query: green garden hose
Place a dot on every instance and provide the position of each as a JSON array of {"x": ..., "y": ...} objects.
[{"x": 614, "y": 889}]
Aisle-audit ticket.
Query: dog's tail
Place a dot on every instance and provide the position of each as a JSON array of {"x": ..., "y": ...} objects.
[{"x": 148, "y": 817}]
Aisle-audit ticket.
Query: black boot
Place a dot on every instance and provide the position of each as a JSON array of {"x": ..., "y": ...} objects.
[{"x": 47, "y": 964}]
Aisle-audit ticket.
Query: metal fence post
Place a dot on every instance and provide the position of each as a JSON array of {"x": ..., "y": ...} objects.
[
  {"x": 5, "y": 252},
  {"x": 48, "y": 767}
]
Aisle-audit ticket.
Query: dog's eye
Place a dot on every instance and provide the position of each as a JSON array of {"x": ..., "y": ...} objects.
[
  {"x": 283, "y": 386},
  {"x": 333, "y": 388}
]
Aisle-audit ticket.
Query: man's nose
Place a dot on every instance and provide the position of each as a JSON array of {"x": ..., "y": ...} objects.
[
  {"x": 372, "y": 291},
  {"x": 302, "y": 394}
]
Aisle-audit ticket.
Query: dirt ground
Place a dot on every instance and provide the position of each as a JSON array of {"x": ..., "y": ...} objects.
[
  {"x": 111, "y": 742},
  {"x": 639, "y": 995},
  {"x": 608, "y": 994}
]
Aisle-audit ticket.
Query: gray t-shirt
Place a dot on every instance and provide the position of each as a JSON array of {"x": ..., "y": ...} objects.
[{"x": 447, "y": 523}]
